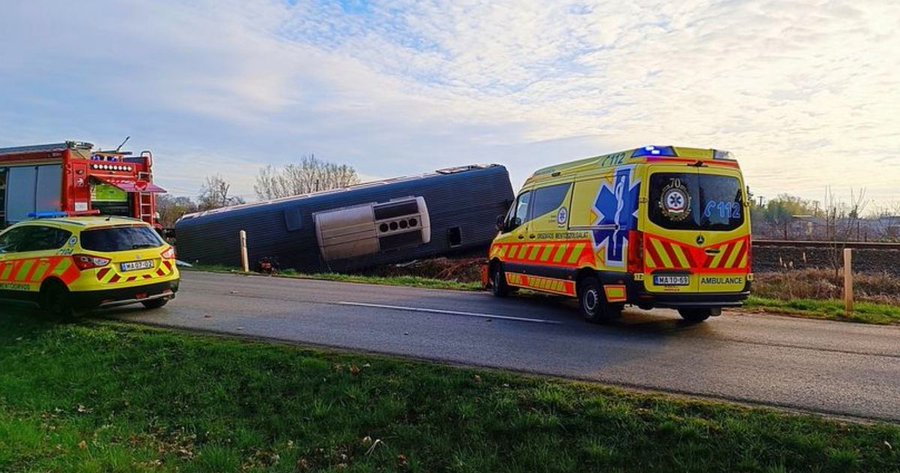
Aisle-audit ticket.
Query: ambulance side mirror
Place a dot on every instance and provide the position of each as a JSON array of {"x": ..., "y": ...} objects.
[{"x": 501, "y": 222}]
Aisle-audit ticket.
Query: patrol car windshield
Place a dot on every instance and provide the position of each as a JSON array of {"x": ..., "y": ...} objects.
[
  {"x": 692, "y": 201},
  {"x": 120, "y": 239}
]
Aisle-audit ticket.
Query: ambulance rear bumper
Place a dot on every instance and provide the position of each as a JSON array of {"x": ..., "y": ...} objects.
[
  {"x": 639, "y": 296},
  {"x": 693, "y": 301}
]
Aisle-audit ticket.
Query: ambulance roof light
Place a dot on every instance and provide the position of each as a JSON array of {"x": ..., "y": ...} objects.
[
  {"x": 728, "y": 155},
  {"x": 654, "y": 151}
]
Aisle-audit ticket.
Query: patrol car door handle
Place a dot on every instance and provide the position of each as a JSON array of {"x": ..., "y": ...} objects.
[
  {"x": 521, "y": 237},
  {"x": 531, "y": 237}
]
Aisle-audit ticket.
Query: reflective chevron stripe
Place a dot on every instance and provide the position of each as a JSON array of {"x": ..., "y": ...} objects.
[
  {"x": 568, "y": 254},
  {"x": 36, "y": 270},
  {"x": 556, "y": 286}
]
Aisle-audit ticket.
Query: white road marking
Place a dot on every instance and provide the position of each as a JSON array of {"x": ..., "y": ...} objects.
[{"x": 450, "y": 312}]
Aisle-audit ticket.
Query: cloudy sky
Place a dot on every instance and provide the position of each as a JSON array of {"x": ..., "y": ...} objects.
[{"x": 806, "y": 93}]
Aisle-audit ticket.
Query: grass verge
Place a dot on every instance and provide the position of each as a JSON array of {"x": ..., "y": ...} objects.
[
  {"x": 110, "y": 397},
  {"x": 864, "y": 312},
  {"x": 408, "y": 281}
]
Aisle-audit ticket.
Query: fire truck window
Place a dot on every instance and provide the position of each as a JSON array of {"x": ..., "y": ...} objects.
[
  {"x": 48, "y": 195},
  {"x": 21, "y": 184}
]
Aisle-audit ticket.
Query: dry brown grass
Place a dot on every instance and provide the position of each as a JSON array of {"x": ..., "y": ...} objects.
[
  {"x": 813, "y": 284},
  {"x": 820, "y": 284}
]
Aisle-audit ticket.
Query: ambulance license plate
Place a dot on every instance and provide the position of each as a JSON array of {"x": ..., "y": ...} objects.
[
  {"x": 672, "y": 280},
  {"x": 136, "y": 265}
]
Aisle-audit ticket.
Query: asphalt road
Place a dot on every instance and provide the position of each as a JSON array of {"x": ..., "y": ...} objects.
[{"x": 835, "y": 368}]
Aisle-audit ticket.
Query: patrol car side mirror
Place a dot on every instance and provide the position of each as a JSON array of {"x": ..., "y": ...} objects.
[{"x": 501, "y": 222}]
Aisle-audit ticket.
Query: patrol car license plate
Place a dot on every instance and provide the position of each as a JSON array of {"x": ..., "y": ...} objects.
[
  {"x": 672, "y": 280},
  {"x": 136, "y": 265}
]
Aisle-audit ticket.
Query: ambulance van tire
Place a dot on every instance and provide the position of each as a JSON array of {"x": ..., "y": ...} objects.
[
  {"x": 697, "y": 315},
  {"x": 55, "y": 300},
  {"x": 592, "y": 302},
  {"x": 499, "y": 288}
]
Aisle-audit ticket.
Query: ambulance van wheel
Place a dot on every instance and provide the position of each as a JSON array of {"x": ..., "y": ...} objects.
[
  {"x": 592, "y": 302},
  {"x": 499, "y": 288},
  {"x": 696, "y": 315},
  {"x": 156, "y": 303},
  {"x": 55, "y": 300}
]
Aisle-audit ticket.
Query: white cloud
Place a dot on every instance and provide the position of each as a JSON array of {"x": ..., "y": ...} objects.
[{"x": 804, "y": 92}]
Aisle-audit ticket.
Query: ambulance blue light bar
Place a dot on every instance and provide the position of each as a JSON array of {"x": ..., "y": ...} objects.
[{"x": 654, "y": 151}]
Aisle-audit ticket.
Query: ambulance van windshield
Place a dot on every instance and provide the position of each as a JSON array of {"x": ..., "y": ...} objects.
[{"x": 692, "y": 201}]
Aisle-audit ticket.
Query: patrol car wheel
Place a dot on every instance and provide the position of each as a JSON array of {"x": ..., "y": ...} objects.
[
  {"x": 592, "y": 302},
  {"x": 155, "y": 303},
  {"x": 56, "y": 301},
  {"x": 695, "y": 315},
  {"x": 499, "y": 288}
]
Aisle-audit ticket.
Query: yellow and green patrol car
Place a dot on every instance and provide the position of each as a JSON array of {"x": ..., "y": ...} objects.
[{"x": 71, "y": 264}]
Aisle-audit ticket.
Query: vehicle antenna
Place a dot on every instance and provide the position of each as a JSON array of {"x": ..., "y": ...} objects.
[{"x": 123, "y": 143}]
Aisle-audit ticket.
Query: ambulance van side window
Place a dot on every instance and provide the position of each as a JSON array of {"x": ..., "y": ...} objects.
[
  {"x": 520, "y": 213},
  {"x": 548, "y": 199}
]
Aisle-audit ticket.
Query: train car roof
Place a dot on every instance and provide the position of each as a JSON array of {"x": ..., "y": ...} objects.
[{"x": 356, "y": 187}]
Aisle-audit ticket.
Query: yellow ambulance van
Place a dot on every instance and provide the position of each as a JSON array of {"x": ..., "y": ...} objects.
[{"x": 658, "y": 226}]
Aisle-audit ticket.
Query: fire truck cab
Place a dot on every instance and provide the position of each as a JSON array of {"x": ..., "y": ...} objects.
[{"x": 75, "y": 179}]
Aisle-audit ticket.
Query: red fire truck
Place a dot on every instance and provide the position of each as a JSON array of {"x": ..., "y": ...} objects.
[{"x": 72, "y": 178}]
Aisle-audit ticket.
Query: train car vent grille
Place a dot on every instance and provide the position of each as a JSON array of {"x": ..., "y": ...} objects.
[{"x": 396, "y": 209}]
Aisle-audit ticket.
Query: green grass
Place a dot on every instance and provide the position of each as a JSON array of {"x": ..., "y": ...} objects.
[
  {"x": 408, "y": 281},
  {"x": 106, "y": 397},
  {"x": 864, "y": 312}
]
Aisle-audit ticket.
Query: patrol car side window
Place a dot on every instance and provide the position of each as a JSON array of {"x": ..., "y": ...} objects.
[
  {"x": 520, "y": 213},
  {"x": 33, "y": 238},
  {"x": 11, "y": 241},
  {"x": 47, "y": 238}
]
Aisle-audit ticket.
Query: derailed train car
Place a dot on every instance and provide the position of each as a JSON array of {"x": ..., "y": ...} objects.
[{"x": 375, "y": 223}]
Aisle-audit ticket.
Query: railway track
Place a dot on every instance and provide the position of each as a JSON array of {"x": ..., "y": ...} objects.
[
  {"x": 868, "y": 257},
  {"x": 862, "y": 245}
]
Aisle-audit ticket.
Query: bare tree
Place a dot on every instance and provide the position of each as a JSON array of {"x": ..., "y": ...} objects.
[
  {"x": 171, "y": 208},
  {"x": 215, "y": 194},
  {"x": 309, "y": 175}
]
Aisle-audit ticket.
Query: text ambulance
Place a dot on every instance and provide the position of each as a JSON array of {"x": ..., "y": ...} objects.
[{"x": 659, "y": 226}]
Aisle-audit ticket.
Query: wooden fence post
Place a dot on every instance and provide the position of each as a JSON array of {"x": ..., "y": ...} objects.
[
  {"x": 848, "y": 280},
  {"x": 245, "y": 262}
]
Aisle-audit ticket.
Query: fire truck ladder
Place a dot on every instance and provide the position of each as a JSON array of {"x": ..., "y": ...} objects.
[{"x": 145, "y": 201}]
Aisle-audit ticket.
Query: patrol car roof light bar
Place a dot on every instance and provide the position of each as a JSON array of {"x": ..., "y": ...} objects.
[{"x": 60, "y": 214}]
